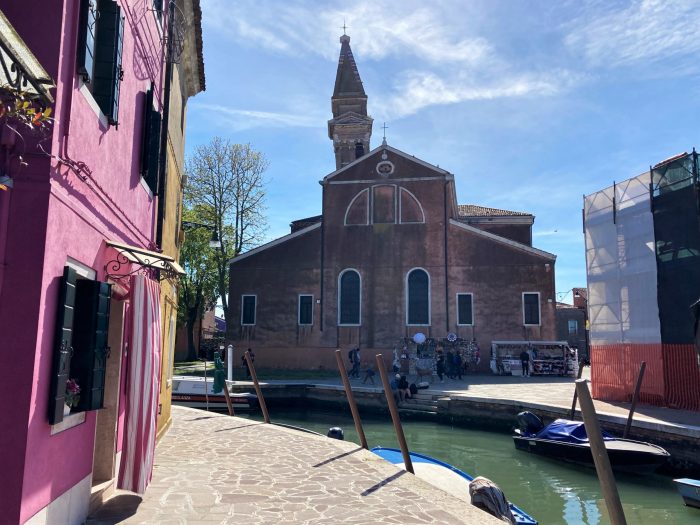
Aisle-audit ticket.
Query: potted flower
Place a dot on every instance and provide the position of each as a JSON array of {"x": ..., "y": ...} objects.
[{"x": 72, "y": 396}]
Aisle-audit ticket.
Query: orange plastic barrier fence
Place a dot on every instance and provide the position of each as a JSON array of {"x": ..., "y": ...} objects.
[{"x": 672, "y": 376}]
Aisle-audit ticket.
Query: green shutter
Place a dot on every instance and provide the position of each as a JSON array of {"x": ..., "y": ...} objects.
[
  {"x": 150, "y": 142},
  {"x": 63, "y": 341},
  {"x": 145, "y": 130},
  {"x": 90, "y": 341},
  {"x": 108, "y": 55},
  {"x": 86, "y": 39}
]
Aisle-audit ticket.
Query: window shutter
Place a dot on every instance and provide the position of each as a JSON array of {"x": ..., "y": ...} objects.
[
  {"x": 108, "y": 54},
  {"x": 90, "y": 341},
  {"x": 63, "y": 341},
  {"x": 150, "y": 142},
  {"x": 418, "y": 298},
  {"x": 464, "y": 309},
  {"x": 350, "y": 298},
  {"x": 86, "y": 39}
]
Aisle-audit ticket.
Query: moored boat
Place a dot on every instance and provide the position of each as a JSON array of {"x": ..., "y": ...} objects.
[
  {"x": 567, "y": 440},
  {"x": 444, "y": 476},
  {"x": 689, "y": 490},
  {"x": 195, "y": 392}
]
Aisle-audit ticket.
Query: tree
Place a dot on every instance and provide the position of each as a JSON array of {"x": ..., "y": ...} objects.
[
  {"x": 198, "y": 287},
  {"x": 227, "y": 180}
]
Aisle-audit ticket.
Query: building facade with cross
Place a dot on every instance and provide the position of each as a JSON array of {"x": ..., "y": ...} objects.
[{"x": 392, "y": 254}]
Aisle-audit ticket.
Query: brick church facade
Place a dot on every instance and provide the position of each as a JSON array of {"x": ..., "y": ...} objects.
[{"x": 391, "y": 255}]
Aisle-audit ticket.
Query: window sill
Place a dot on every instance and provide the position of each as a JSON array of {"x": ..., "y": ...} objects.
[{"x": 69, "y": 421}]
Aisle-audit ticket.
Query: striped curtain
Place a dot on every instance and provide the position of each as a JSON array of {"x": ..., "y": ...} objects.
[{"x": 142, "y": 386}]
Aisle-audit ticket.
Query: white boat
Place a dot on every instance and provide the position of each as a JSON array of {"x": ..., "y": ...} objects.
[{"x": 195, "y": 392}]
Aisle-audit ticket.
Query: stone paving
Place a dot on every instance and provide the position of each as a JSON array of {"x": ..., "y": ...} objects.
[{"x": 213, "y": 468}]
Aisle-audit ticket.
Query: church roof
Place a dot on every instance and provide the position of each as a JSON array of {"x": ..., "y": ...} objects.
[
  {"x": 303, "y": 223},
  {"x": 347, "y": 80},
  {"x": 472, "y": 210}
]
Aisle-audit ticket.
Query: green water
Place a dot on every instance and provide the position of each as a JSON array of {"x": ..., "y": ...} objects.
[{"x": 552, "y": 492}]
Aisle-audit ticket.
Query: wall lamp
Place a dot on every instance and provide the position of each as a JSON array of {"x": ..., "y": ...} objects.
[{"x": 214, "y": 242}]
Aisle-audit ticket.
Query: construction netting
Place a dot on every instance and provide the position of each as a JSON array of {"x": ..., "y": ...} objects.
[{"x": 621, "y": 264}]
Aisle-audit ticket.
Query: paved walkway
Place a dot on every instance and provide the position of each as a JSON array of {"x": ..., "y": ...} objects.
[{"x": 213, "y": 468}]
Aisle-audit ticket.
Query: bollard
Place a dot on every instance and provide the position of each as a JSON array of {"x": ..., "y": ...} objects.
[
  {"x": 600, "y": 455},
  {"x": 258, "y": 391},
  {"x": 351, "y": 399},
  {"x": 394, "y": 415}
]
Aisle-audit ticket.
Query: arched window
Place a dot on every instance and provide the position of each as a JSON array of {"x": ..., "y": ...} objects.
[
  {"x": 418, "y": 297},
  {"x": 411, "y": 210},
  {"x": 358, "y": 210},
  {"x": 349, "y": 297}
]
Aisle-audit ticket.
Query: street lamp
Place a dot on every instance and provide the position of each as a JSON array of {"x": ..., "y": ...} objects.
[{"x": 214, "y": 242}]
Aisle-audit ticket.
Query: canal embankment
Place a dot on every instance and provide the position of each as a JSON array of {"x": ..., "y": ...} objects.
[{"x": 493, "y": 403}]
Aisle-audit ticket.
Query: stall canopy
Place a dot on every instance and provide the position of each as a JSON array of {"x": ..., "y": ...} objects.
[{"x": 124, "y": 260}]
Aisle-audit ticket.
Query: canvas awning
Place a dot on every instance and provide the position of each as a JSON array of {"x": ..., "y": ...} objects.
[{"x": 128, "y": 260}]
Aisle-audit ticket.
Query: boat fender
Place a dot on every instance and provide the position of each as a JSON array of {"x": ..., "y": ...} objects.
[
  {"x": 486, "y": 495},
  {"x": 336, "y": 433},
  {"x": 529, "y": 423}
]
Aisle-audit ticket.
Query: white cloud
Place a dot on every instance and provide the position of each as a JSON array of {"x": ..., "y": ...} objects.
[
  {"x": 646, "y": 30},
  {"x": 242, "y": 119}
]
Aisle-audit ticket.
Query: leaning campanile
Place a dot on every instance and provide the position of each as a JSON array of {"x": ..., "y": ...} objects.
[{"x": 350, "y": 128}]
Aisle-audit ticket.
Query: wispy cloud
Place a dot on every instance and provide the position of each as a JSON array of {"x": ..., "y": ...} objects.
[
  {"x": 242, "y": 119},
  {"x": 645, "y": 30}
]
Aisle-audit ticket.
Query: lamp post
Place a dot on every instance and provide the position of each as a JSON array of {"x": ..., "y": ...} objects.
[{"x": 214, "y": 242}]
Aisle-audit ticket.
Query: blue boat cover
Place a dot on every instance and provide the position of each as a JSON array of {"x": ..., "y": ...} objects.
[{"x": 567, "y": 431}]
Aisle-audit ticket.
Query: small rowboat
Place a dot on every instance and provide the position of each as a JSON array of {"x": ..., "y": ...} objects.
[
  {"x": 190, "y": 392},
  {"x": 444, "y": 476},
  {"x": 690, "y": 490}
]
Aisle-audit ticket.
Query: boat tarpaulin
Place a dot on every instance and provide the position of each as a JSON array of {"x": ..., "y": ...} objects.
[{"x": 567, "y": 431}]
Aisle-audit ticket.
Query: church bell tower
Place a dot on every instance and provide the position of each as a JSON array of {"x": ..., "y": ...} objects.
[{"x": 350, "y": 128}]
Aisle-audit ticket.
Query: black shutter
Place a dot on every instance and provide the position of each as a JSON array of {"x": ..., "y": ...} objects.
[
  {"x": 90, "y": 341},
  {"x": 86, "y": 39},
  {"x": 350, "y": 298},
  {"x": 531, "y": 304},
  {"x": 108, "y": 51},
  {"x": 248, "y": 310},
  {"x": 418, "y": 294},
  {"x": 63, "y": 340},
  {"x": 150, "y": 142},
  {"x": 305, "y": 309},
  {"x": 464, "y": 308}
]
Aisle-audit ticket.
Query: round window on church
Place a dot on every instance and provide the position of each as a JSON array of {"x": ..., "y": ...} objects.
[{"x": 385, "y": 168}]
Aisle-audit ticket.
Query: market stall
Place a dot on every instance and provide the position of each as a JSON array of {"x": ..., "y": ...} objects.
[{"x": 546, "y": 358}]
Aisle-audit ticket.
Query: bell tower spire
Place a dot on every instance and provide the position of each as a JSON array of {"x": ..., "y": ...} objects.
[{"x": 350, "y": 128}]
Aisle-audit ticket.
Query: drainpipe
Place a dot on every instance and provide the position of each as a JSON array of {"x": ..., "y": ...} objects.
[{"x": 164, "y": 127}]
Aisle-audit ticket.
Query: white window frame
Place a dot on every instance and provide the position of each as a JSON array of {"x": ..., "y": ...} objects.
[
  {"x": 457, "y": 304},
  {"x": 539, "y": 308},
  {"x": 340, "y": 276},
  {"x": 255, "y": 310},
  {"x": 568, "y": 326},
  {"x": 299, "y": 309},
  {"x": 430, "y": 297}
]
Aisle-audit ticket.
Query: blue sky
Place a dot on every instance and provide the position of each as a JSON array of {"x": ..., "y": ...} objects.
[{"x": 530, "y": 104}]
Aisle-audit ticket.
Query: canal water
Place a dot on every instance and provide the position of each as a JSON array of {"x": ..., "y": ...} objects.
[{"x": 552, "y": 492}]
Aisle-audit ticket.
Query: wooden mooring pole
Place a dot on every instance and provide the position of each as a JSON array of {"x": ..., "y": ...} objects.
[
  {"x": 229, "y": 404},
  {"x": 573, "y": 405},
  {"x": 394, "y": 414},
  {"x": 600, "y": 455},
  {"x": 351, "y": 400},
  {"x": 637, "y": 387},
  {"x": 258, "y": 391}
]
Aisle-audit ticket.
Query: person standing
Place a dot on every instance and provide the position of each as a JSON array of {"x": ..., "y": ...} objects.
[
  {"x": 440, "y": 365},
  {"x": 525, "y": 362}
]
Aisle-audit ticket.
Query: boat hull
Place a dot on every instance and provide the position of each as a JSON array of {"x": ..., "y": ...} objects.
[
  {"x": 690, "y": 491},
  {"x": 444, "y": 476},
  {"x": 625, "y": 455}
]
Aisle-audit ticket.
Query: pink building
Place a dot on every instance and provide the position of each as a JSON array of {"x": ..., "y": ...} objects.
[{"x": 79, "y": 286}]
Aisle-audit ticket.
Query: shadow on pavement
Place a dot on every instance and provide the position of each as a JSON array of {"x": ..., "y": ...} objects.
[{"x": 116, "y": 510}]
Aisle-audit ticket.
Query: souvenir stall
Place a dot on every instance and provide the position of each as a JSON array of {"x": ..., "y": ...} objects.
[{"x": 546, "y": 358}]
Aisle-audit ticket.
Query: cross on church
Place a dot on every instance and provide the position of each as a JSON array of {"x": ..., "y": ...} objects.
[
  {"x": 384, "y": 128},
  {"x": 344, "y": 27}
]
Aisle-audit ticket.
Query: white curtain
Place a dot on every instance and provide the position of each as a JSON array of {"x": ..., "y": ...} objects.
[{"x": 142, "y": 386}]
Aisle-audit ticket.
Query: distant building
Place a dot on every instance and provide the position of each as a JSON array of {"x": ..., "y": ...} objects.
[
  {"x": 392, "y": 254},
  {"x": 643, "y": 267},
  {"x": 571, "y": 327}
]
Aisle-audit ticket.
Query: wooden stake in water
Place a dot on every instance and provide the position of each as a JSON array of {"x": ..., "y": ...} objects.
[
  {"x": 600, "y": 455},
  {"x": 638, "y": 386},
  {"x": 573, "y": 405},
  {"x": 351, "y": 400},
  {"x": 394, "y": 414},
  {"x": 258, "y": 391},
  {"x": 206, "y": 387}
]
